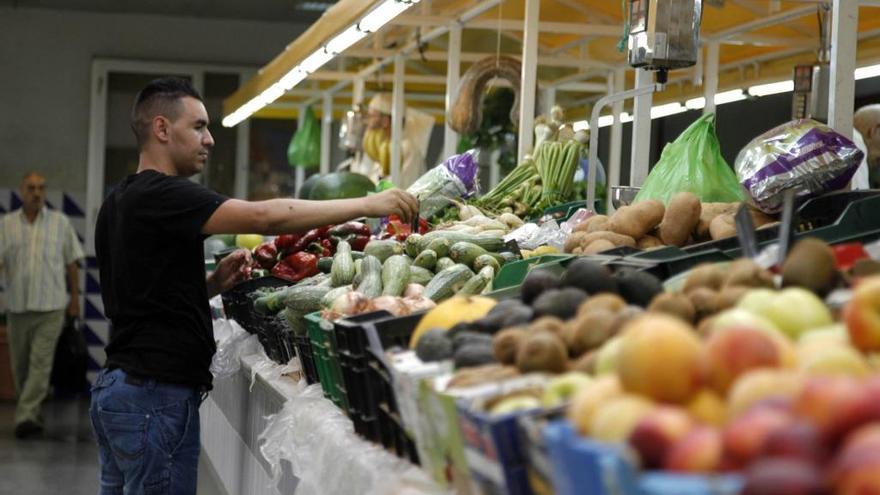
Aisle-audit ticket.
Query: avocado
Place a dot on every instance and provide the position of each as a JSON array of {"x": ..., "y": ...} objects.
[
  {"x": 474, "y": 354},
  {"x": 536, "y": 282},
  {"x": 498, "y": 316},
  {"x": 637, "y": 287},
  {"x": 467, "y": 338},
  {"x": 589, "y": 276},
  {"x": 561, "y": 303},
  {"x": 464, "y": 326},
  {"x": 434, "y": 345},
  {"x": 518, "y": 315}
]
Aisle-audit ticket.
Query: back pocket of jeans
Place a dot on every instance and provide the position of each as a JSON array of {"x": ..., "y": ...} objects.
[
  {"x": 173, "y": 423},
  {"x": 126, "y": 433}
]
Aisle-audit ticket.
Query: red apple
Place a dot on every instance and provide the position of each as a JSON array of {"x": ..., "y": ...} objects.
[
  {"x": 776, "y": 476},
  {"x": 735, "y": 350},
  {"x": 856, "y": 471},
  {"x": 795, "y": 440},
  {"x": 862, "y": 315},
  {"x": 699, "y": 451},
  {"x": 744, "y": 437},
  {"x": 656, "y": 432},
  {"x": 832, "y": 403}
]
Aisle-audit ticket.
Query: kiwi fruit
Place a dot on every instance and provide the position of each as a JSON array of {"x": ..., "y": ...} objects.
[
  {"x": 506, "y": 342},
  {"x": 589, "y": 331},
  {"x": 811, "y": 265},
  {"x": 638, "y": 287},
  {"x": 704, "y": 275},
  {"x": 747, "y": 273},
  {"x": 705, "y": 301},
  {"x": 730, "y": 296},
  {"x": 542, "y": 351},
  {"x": 535, "y": 283},
  {"x": 585, "y": 364},
  {"x": 561, "y": 303},
  {"x": 610, "y": 302},
  {"x": 704, "y": 328},
  {"x": 624, "y": 316},
  {"x": 589, "y": 276},
  {"x": 674, "y": 304},
  {"x": 548, "y": 324}
]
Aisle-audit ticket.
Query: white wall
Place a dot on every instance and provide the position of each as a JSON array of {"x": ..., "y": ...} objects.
[{"x": 45, "y": 63}]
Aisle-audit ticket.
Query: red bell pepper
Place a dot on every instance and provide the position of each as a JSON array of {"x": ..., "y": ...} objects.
[
  {"x": 266, "y": 255},
  {"x": 314, "y": 235},
  {"x": 297, "y": 266},
  {"x": 284, "y": 243},
  {"x": 399, "y": 230},
  {"x": 349, "y": 228}
]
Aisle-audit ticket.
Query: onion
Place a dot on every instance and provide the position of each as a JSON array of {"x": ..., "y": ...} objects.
[
  {"x": 414, "y": 290},
  {"x": 393, "y": 305},
  {"x": 418, "y": 303},
  {"x": 350, "y": 303}
]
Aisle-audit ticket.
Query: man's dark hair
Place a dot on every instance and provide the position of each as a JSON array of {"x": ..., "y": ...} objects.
[{"x": 159, "y": 97}]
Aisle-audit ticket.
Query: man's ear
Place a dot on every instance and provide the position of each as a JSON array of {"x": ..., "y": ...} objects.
[{"x": 161, "y": 128}]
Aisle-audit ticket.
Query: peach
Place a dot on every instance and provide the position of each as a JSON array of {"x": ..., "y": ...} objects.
[
  {"x": 587, "y": 400},
  {"x": 732, "y": 351},
  {"x": 827, "y": 401},
  {"x": 796, "y": 440},
  {"x": 762, "y": 384},
  {"x": 707, "y": 406},
  {"x": 744, "y": 437},
  {"x": 842, "y": 360},
  {"x": 862, "y": 315},
  {"x": 661, "y": 357},
  {"x": 779, "y": 476},
  {"x": 657, "y": 431},
  {"x": 856, "y": 470},
  {"x": 699, "y": 451},
  {"x": 615, "y": 420},
  {"x": 853, "y": 410}
]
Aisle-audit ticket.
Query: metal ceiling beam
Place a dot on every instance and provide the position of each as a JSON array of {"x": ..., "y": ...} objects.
[
  {"x": 512, "y": 25},
  {"x": 439, "y": 56},
  {"x": 761, "y": 23},
  {"x": 754, "y": 9}
]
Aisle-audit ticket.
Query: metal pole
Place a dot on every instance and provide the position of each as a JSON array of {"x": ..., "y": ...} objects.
[
  {"x": 616, "y": 148},
  {"x": 529, "y": 78},
  {"x": 641, "y": 129},
  {"x": 844, "y": 30},
  {"x": 326, "y": 130},
  {"x": 299, "y": 174},
  {"x": 242, "y": 150},
  {"x": 397, "y": 110},
  {"x": 548, "y": 100},
  {"x": 710, "y": 81},
  {"x": 357, "y": 93},
  {"x": 594, "y": 136},
  {"x": 453, "y": 71}
]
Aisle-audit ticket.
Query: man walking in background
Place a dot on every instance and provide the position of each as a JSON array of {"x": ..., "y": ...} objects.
[{"x": 38, "y": 247}]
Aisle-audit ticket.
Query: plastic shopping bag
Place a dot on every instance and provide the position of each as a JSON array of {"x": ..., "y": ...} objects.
[
  {"x": 693, "y": 163},
  {"x": 803, "y": 155},
  {"x": 304, "y": 149}
]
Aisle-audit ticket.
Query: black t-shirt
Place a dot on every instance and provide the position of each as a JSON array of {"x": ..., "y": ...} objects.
[{"x": 149, "y": 246}]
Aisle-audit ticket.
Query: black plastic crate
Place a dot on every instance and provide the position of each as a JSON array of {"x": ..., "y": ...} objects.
[
  {"x": 304, "y": 350},
  {"x": 238, "y": 304}
]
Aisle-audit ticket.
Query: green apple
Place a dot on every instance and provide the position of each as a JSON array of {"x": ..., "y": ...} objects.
[
  {"x": 796, "y": 310},
  {"x": 561, "y": 388},
  {"x": 831, "y": 335},
  {"x": 248, "y": 241},
  {"x": 741, "y": 317},
  {"x": 757, "y": 301},
  {"x": 606, "y": 359},
  {"x": 515, "y": 403}
]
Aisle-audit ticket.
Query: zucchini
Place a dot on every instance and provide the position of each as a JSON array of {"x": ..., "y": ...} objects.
[
  {"x": 439, "y": 246},
  {"x": 489, "y": 243},
  {"x": 358, "y": 272},
  {"x": 465, "y": 253},
  {"x": 261, "y": 305},
  {"x": 325, "y": 264},
  {"x": 295, "y": 321},
  {"x": 411, "y": 246},
  {"x": 447, "y": 282},
  {"x": 442, "y": 264},
  {"x": 419, "y": 275},
  {"x": 331, "y": 295},
  {"x": 371, "y": 277},
  {"x": 383, "y": 249},
  {"x": 508, "y": 257},
  {"x": 342, "y": 271},
  {"x": 395, "y": 275},
  {"x": 304, "y": 299},
  {"x": 478, "y": 282},
  {"x": 426, "y": 259},
  {"x": 485, "y": 260}
]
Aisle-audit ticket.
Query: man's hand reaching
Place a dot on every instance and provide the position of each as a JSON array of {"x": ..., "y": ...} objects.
[
  {"x": 231, "y": 270},
  {"x": 392, "y": 201}
]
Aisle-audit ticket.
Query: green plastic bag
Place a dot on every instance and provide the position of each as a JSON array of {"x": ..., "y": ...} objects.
[
  {"x": 304, "y": 149},
  {"x": 693, "y": 163}
]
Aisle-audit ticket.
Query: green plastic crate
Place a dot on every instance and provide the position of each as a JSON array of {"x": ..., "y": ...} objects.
[
  {"x": 323, "y": 341},
  {"x": 512, "y": 274}
]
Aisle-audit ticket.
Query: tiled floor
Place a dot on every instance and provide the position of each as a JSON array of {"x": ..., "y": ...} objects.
[{"x": 64, "y": 459}]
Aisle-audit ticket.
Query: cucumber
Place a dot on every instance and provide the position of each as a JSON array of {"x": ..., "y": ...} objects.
[
  {"x": 411, "y": 246},
  {"x": 295, "y": 321},
  {"x": 383, "y": 249},
  {"x": 442, "y": 264},
  {"x": 418, "y": 275},
  {"x": 358, "y": 272},
  {"x": 331, "y": 295},
  {"x": 395, "y": 275},
  {"x": 426, "y": 259},
  {"x": 371, "y": 277},
  {"x": 304, "y": 299},
  {"x": 465, "y": 253},
  {"x": 342, "y": 271},
  {"x": 485, "y": 260},
  {"x": 325, "y": 264},
  {"x": 508, "y": 257},
  {"x": 439, "y": 246},
  {"x": 478, "y": 282},
  {"x": 447, "y": 282},
  {"x": 489, "y": 243}
]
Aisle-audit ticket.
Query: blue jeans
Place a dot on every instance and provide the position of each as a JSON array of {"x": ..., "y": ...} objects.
[{"x": 147, "y": 434}]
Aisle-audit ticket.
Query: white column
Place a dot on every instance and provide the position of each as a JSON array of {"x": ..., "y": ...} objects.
[
  {"x": 326, "y": 131},
  {"x": 357, "y": 91},
  {"x": 615, "y": 149},
  {"x": 844, "y": 37},
  {"x": 397, "y": 110},
  {"x": 528, "y": 83},
  {"x": 641, "y": 133},
  {"x": 242, "y": 153},
  {"x": 548, "y": 100},
  {"x": 453, "y": 71},
  {"x": 710, "y": 81},
  {"x": 299, "y": 173}
]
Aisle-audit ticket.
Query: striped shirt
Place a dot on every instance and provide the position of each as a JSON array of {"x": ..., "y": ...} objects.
[{"x": 34, "y": 257}]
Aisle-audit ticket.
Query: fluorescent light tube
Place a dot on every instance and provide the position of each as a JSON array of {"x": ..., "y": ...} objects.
[
  {"x": 387, "y": 10},
  {"x": 666, "y": 110},
  {"x": 344, "y": 40},
  {"x": 696, "y": 103},
  {"x": 625, "y": 117},
  {"x": 772, "y": 88},
  {"x": 866, "y": 72},
  {"x": 315, "y": 61},
  {"x": 292, "y": 78},
  {"x": 729, "y": 96},
  {"x": 581, "y": 125}
]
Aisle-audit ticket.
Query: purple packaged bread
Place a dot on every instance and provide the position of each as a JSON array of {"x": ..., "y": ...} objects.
[{"x": 803, "y": 155}]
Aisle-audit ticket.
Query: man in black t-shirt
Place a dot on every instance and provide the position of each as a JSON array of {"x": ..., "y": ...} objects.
[{"x": 148, "y": 241}]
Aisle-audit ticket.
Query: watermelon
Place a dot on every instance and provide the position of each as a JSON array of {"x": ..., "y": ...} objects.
[
  {"x": 341, "y": 185},
  {"x": 306, "y": 188}
]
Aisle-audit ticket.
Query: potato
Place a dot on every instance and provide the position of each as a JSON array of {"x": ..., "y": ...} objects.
[
  {"x": 649, "y": 242},
  {"x": 595, "y": 223},
  {"x": 759, "y": 218},
  {"x": 704, "y": 275},
  {"x": 582, "y": 240},
  {"x": 708, "y": 212},
  {"x": 637, "y": 220},
  {"x": 598, "y": 246},
  {"x": 680, "y": 219},
  {"x": 722, "y": 227}
]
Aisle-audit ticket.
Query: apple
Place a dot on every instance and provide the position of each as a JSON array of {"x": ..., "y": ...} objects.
[
  {"x": 759, "y": 385},
  {"x": 561, "y": 388},
  {"x": 828, "y": 401},
  {"x": 657, "y": 431},
  {"x": 732, "y": 351},
  {"x": 606, "y": 358},
  {"x": 862, "y": 315},
  {"x": 615, "y": 420},
  {"x": 698, "y": 451},
  {"x": 515, "y": 403},
  {"x": 796, "y": 310},
  {"x": 707, "y": 406},
  {"x": 588, "y": 399},
  {"x": 757, "y": 301},
  {"x": 796, "y": 440},
  {"x": 833, "y": 334},
  {"x": 742, "y": 317},
  {"x": 856, "y": 470},
  {"x": 832, "y": 359},
  {"x": 248, "y": 241},
  {"x": 744, "y": 437},
  {"x": 781, "y": 476}
]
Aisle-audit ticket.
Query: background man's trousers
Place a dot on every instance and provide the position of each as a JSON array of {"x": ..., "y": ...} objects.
[{"x": 33, "y": 336}]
